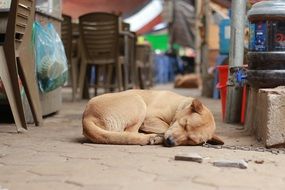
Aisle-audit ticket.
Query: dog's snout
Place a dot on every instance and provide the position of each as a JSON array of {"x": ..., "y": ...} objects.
[{"x": 169, "y": 142}]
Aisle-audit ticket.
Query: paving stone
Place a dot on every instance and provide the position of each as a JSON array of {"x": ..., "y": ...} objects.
[
  {"x": 54, "y": 157},
  {"x": 42, "y": 186},
  {"x": 234, "y": 178},
  {"x": 177, "y": 185},
  {"x": 107, "y": 186}
]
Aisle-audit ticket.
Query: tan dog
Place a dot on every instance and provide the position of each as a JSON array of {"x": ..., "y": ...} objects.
[
  {"x": 187, "y": 81},
  {"x": 143, "y": 116}
]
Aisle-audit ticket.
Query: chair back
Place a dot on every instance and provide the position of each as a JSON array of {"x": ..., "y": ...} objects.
[
  {"x": 143, "y": 53},
  {"x": 99, "y": 33},
  {"x": 126, "y": 26},
  {"x": 21, "y": 11}
]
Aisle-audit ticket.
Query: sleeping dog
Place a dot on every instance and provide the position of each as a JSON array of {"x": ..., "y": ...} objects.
[{"x": 142, "y": 117}]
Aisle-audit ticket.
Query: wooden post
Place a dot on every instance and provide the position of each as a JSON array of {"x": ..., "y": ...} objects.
[
  {"x": 207, "y": 80},
  {"x": 198, "y": 40}
]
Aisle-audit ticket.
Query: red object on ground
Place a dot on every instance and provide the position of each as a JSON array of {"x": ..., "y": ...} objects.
[
  {"x": 222, "y": 85},
  {"x": 243, "y": 106}
]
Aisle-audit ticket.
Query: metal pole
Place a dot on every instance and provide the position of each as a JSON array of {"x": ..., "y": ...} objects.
[
  {"x": 234, "y": 94},
  {"x": 237, "y": 33}
]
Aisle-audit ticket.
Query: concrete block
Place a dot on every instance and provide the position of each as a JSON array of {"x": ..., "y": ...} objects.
[{"x": 266, "y": 115}]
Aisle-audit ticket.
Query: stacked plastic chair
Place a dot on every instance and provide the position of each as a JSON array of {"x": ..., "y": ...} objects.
[
  {"x": 16, "y": 59},
  {"x": 99, "y": 41}
]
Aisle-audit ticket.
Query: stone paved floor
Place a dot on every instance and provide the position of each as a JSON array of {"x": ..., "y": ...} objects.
[{"x": 57, "y": 157}]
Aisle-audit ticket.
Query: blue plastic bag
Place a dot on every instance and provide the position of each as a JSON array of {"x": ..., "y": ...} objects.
[{"x": 51, "y": 62}]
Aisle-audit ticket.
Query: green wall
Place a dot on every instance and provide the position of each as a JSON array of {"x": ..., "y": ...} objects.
[{"x": 158, "y": 41}]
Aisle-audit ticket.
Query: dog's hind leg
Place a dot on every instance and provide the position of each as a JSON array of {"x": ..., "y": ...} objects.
[
  {"x": 154, "y": 125},
  {"x": 99, "y": 135}
]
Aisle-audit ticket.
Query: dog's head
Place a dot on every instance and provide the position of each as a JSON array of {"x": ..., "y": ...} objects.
[{"x": 193, "y": 124}]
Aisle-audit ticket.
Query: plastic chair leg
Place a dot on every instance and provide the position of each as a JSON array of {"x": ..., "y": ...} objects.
[
  {"x": 11, "y": 85},
  {"x": 119, "y": 76},
  {"x": 28, "y": 77},
  {"x": 82, "y": 76},
  {"x": 74, "y": 79}
]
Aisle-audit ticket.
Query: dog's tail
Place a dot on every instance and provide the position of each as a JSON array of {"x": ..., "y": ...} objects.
[{"x": 98, "y": 135}]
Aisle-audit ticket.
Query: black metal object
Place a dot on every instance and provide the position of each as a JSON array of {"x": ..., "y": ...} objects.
[
  {"x": 266, "y": 60},
  {"x": 266, "y": 69},
  {"x": 266, "y": 56},
  {"x": 241, "y": 76},
  {"x": 266, "y": 78}
]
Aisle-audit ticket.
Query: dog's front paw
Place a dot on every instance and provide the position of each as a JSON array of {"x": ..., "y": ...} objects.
[{"x": 156, "y": 139}]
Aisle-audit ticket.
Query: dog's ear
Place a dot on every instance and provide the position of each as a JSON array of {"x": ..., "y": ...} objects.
[
  {"x": 215, "y": 140},
  {"x": 196, "y": 106}
]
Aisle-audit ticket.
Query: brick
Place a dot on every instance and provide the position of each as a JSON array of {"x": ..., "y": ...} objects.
[
  {"x": 193, "y": 157},
  {"x": 231, "y": 163},
  {"x": 266, "y": 115}
]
